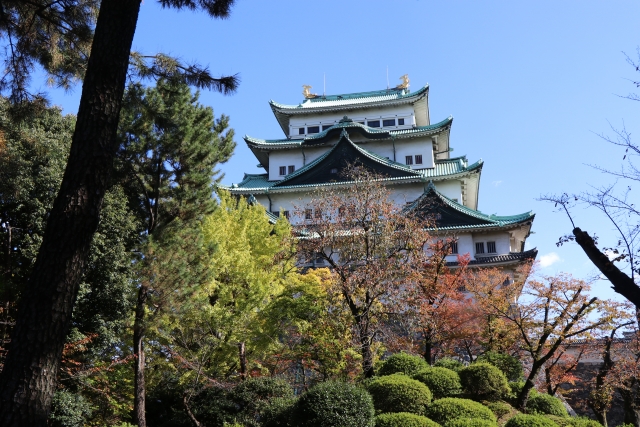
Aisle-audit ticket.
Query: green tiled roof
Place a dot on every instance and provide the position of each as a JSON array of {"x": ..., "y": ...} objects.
[
  {"x": 474, "y": 218},
  {"x": 347, "y": 124},
  {"x": 349, "y": 99},
  {"x": 443, "y": 169}
]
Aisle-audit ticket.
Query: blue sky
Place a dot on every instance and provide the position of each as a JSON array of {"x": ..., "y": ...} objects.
[{"x": 529, "y": 84}]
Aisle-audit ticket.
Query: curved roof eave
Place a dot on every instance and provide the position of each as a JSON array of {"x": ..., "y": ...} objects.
[{"x": 283, "y": 111}]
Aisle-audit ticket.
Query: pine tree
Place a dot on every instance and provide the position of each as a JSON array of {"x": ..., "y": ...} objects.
[{"x": 169, "y": 147}]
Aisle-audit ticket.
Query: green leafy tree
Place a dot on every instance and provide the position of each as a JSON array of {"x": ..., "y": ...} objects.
[
  {"x": 219, "y": 332},
  {"x": 169, "y": 147},
  {"x": 70, "y": 39}
]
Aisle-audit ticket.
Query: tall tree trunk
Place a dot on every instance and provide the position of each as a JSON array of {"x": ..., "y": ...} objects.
[
  {"x": 28, "y": 379},
  {"x": 367, "y": 357},
  {"x": 428, "y": 347},
  {"x": 140, "y": 392}
]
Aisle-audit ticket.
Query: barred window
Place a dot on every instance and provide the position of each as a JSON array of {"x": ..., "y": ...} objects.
[
  {"x": 418, "y": 159},
  {"x": 317, "y": 213},
  {"x": 480, "y": 247},
  {"x": 388, "y": 122},
  {"x": 313, "y": 129},
  {"x": 283, "y": 170},
  {"x": 292, "y": 169},
  {"x": 453, "y": 246},
  {"x": 300, "y": 131},
  {"x": 491, "y": 247},
  {"x": 373, "y": 123},
  {"x": 308, "y": 213},
  {"x": 408, "y": 160},
  {"x": 400, "y": 122}
]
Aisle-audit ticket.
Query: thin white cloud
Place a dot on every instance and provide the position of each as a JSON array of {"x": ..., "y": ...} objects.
[
  {"x": 496, "y": 183},
  {"x": 549, "y": 259}
]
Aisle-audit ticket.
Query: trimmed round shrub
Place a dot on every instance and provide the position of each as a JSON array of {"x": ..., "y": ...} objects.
[
  {"x": 509, "y": 365},
  {"x": 449, "y": 363},
  {"x": 470, "y": 422},
  {"x": 404, "y": 419},
  {"x": 399, "y": 393},
  {"x": 543, "y": 403},
  {"x": 278, "y": 412},
  {"x": 450, "y": 408},
  {"x": 482, "y": 381},
  {"x": 442, "y": 382},
  {"x": 500, "y": 408},
  {"x": 524, "y": 420},
  {"x": 402, "y": 363},
  {"x": 587, "y": 422},
  {"x": 334, "y": 404},
  {"x": 252, "y": 397}
]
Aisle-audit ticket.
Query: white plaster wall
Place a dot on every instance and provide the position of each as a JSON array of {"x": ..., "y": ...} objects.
[
  {"x": 319, "y": 119},
  {"x": 381, "y": 148},
  {"x": 411, "y": 147},
  {"x": 313, "y": 153},
  {"x": 465, "y": 246},
  {"x": 501, "y": 239},
  {"x": 452, "y": 189},
  {"x": 283, "y": 158}
]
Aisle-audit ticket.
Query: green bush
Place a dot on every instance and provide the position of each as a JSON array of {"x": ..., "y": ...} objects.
[
  {"x": 442, "y": 382},
  {"x": 69, "y": 410},
  {"x": 500, "y": 408},
  {"x": 577, "y": 421},
  {"x": 524, "y": 420},
  {"x": 402, "y": 363},
  {"x": 482, "y": 381},
  {"x": 278, "y": 412},
  {"x": 399, "y": 393},
  {"x": 449, "y": 363},
  {"x": 509, "y": 365},
  {"x": 450, "y": 408},
  {"x": 252, "y": 397},
  {"x": 543, "y": 403},
  {"x": 404, "y": 419},
  {"x": 334, "y": 404},
  {"x": 470, "y": 422}
]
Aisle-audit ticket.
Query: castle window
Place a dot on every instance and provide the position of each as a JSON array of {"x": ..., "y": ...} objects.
[
  {"x": 453, "y": 247},
  {"x": 301, "y": 131},
  {"x": 317, "y": 213},
  {"x": 373, "y": 123},
  {"x": 418, "y": 159},
  {"x": 480, "y": 247},
  {"x": 361, "y": 123},
  {"x": 325, "y": 127},
  {"x": 334, "y": 170},
  {"x": 491, "y": 247},
  {"x": 408, "y": 160},
  {"x": 283, "y": 170},
  {"x": 285, "y": 214},
  {"x": 388, "y": 122},
  {"x": 308, "y": 213},
  {"x": 400, "y": 122},
  {"x": 292, "y": 169},
  {"x": 319, "y": 259},
  {"x": 313, "y": 129}
]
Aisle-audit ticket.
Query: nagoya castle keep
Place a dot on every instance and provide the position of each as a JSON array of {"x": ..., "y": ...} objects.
[{"x": 390, "y": 132}]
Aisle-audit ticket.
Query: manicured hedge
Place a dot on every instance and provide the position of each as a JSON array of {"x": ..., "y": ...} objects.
[
  {"x": 278, "y": 412},
  {"x": 402, "y": 363},
  {"x": 253, "y": 397},
  {"x": 482, "y": 381},
  {"x": 500, "y": 408},
  {"x": 509, "y": 365},
  {"x": 334, "y": 404},
  {"x": 449, "y": 363},
  {"x": 442, "y": 382},
  {"x": 399, "y": 393},
  {"x": 450, "y": 408},
  {"x": 470, "y": 422},
  {"x": 543, "y": 403},
  {"x": 524, "y": 420},
  {"x": 578, "y": 422},
  {"x": 404, "y": 419}
]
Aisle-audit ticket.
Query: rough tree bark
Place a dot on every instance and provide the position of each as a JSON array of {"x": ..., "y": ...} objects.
[
  {"x": 620, "y": 281},
  {"x": 28, "y": 380}
]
